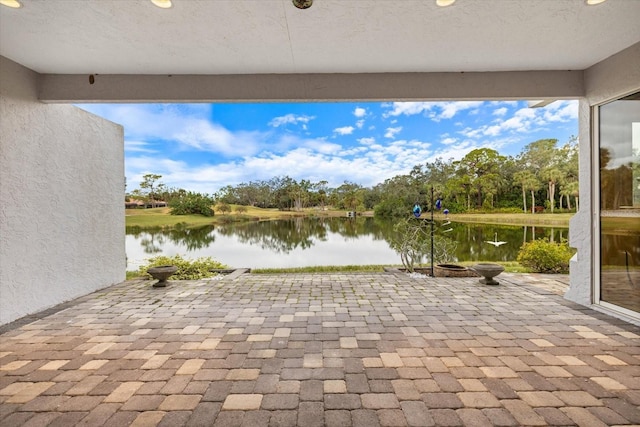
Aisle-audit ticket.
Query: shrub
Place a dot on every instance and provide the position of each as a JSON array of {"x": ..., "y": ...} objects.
[
  {"x": 187, "y": 270},
  {"x": 192, "y": 204},
  {"x": 224, "y": 208},
  {"x": 391, "y": 208},
  {"x": 543, "y": 256}
]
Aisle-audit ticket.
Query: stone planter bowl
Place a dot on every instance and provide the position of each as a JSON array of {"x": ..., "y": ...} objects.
[
  {"x": 488, "y": 271},
  {"x": 161, "y": 273}
]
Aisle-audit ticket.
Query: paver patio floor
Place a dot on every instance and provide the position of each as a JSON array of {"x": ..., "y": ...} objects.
[{"x": 323, "y": 349}]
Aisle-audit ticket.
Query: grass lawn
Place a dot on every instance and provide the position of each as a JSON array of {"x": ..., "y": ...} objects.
[
  {"x": 322, "y": 269},
  {"x": 509, "y": 267},
  {"x": 160, "y": 217},
  {"x": 623, "y": 225},
  {"x": 559, "y": 219}
]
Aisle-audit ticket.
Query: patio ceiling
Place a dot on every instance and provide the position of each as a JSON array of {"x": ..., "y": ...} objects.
[{"x": 334, "y": 36}]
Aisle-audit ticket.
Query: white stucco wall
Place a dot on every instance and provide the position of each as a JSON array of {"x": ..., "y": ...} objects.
[
  {"x": 581, "y": 225},
  {"x": 612, "y": 78},
  {"x": 61, "y": 199}
]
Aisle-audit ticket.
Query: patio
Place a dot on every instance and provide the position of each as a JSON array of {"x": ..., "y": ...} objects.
[{"x": 322, "y": 349}]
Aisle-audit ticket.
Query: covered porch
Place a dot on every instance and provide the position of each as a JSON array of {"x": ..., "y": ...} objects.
[{"x": 55, "y": 53}]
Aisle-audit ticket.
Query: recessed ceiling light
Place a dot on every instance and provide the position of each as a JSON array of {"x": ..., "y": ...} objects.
[
  {"x": 302, "y": 4},
  {"x": 594, "y": 2},
  {"x": 11, "y": 3},
  {"x": 445, "y": 3},
  {"x": 164, "y": 4}
]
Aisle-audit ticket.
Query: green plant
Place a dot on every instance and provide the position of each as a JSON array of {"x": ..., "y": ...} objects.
[
  {"x": 391, "y": 208},
  {"x": 543, "y": 256},
  {"x": 192, "y": 203},
  {"x": 187, "y": 269},
  {"x": 321, "y": 269}
]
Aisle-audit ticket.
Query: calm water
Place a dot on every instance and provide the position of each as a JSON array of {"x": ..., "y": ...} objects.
[{"x": 303, "y": 242}]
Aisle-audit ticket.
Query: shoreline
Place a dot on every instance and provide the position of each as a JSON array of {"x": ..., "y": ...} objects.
[{"x": 160, "y": 218}]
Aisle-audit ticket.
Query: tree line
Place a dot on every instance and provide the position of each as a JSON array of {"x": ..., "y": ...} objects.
[{"x": 544, "y": 176}]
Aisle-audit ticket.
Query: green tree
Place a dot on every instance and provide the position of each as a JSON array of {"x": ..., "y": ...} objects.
[
  {"x": 528, "y": 182},
  {"x": 543, "y": 158},
  {"x": 320, "y": 189},
  {"x": 551, "y": 175},
  {"x": 299, "y": 193},
  {"x": 570, "y": 167},
  {"x": 223, "y": 208},
  {"x": 349, "y": 196},
  {"x": 150, "y": 186},
  {"x": 397, "y": 195},
  {"x": 482, "y": 166}
]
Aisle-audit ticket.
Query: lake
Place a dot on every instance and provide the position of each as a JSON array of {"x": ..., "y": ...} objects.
[{"x": 301, "y": 242}]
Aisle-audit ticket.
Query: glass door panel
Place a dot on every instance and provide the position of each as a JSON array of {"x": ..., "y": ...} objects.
[{"x": 619, "y": 128}]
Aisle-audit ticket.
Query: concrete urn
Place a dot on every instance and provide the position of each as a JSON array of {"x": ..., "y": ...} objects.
[
  {"x": 488, "y": 271},
  {"x": 161, "y": 273}
]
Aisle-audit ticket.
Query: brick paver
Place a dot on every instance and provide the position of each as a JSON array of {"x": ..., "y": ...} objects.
[{"x": 323, "y": 349}]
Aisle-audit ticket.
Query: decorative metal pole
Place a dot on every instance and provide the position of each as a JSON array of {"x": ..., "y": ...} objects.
[{"x": 432, "y": 209}]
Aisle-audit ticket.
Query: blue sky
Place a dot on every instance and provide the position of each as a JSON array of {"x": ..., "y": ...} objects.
[{"x": 203, "y": 147}]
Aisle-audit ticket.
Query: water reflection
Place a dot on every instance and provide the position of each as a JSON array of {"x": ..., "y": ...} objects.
[
  {"x": 301, "y": 242},
  {"x": 620, "y": 274}
]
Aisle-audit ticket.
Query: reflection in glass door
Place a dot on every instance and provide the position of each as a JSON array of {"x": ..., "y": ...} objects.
[{"x": 619, "y": 135}]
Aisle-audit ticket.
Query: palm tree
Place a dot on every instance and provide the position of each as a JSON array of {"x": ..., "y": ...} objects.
[
  {"x": 552, "y": 175},
  {"x": 527, "y": 181}
]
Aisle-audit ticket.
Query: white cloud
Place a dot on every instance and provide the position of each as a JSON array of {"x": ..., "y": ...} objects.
[
  {"x": 448, "y": 110},
  {"x": 560, "y": 111},
  {"x": 322, "y": 146},
  {"x": 207, "y": 136},
  {"x": 365, "y": 165},
  {"x": 290, "y": 119},
  {"x": 184, "y": 145},
  {"x": 391, "y": 132},
  {"x": 366, "y": 141},
  {"x": 526, "y": 120},
  {"x": 507, "y": 103},
  {"x": 150, "y": 121},
  {"x": 436, "y": 110},
  {"x": 138, "y": 147},
  {"x": 359, "y": 112},
  {"x": 345, "y": 130},
  {"x": 408, "y": 108},
  {"x": 185, "y": 124},
  {"x": 352, "y": 151}
]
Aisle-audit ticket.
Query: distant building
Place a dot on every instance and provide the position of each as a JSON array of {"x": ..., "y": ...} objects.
[{"x": 137, "y": 204}]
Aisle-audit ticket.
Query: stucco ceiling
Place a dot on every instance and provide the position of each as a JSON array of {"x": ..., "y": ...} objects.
[{"x": 333, "y": 36}]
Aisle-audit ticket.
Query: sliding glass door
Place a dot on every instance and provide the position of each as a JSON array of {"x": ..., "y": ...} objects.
[{"x": 619, "y": 138}]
